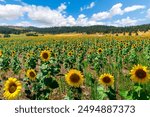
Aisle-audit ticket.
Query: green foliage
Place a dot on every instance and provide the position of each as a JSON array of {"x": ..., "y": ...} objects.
[
  {"x": 6, "y": 35},
  {"x": 15, "y": 65},
  {"x": 4, "y": 63},
  {"x": 31, "y": 34},
  {"x": 137, "y": 93},
  {"x": 50, "y": 82}
]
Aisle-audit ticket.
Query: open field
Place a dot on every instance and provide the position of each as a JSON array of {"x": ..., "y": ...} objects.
[
  {"x": 76, "y": 35},
  {"x": 75, "y": 66}
]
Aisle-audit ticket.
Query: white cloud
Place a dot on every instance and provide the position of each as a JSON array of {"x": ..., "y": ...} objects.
[
  {"x": 115, "y": 10},
  {"x": 39, "y": 14},
  {"x": 90, "y": 6},
  {"x": 148, "y": 13},
  {"x": 100, "y": 16},
  {"x": 62, "y": 7},
  {"x": 133, "y": 8},
  {"x": 10, "y": 12},
  {"x": 24, "y": 23},
  {"x": 126, "y": 22},
  {"x": 82, "y": 20},
  {"x": 43, "y": 16},
  {"x": 70, "y": 21},
  {"x": 47, "y": 17}
]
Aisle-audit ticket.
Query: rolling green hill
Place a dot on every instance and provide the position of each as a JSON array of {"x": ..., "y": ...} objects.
[{"x": 74, "y": 29}]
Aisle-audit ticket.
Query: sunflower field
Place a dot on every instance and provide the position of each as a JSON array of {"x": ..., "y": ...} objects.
[{"x": 75, "y": 68}]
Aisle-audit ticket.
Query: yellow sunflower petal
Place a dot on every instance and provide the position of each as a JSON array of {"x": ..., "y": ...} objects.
[
  {"x": 139, "y": 74},
  {"x": 12, "y": 88},
  {"x": 106, "y": 79},
  {"x": 45, "y": 55},
  {"x": 31, "y": 74},
  {"x": 74, "y": 78}
]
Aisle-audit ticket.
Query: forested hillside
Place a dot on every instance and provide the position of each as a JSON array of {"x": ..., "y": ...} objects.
[{"x": 74, "y": 29}]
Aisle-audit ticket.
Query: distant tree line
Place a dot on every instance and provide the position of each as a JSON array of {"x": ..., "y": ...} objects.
[
  {"x": 12, "y": 30},
  {"x": 76, "y": 29}
]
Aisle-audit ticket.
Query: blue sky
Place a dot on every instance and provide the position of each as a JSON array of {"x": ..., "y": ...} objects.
[{"x": 50, "y": 13}]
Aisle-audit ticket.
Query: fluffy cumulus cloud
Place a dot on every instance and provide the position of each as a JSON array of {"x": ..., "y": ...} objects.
[
  {"x": 40, "y": 14},
  {"x": 90, "y": 6},
  {"x": 126, "y": 22},
  {"x": 115, "y": 10},
  {"x": 47, "y": 17},
  {"x": 9, "y": 12},
  {"x": 44, "y": 16}
]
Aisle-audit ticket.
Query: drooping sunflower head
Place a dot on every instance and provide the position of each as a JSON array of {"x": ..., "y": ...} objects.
[
  {"x": 45, "y": 55},
  {"x": 99, "y": 50},
  {"x": 139, "y": 74},
  {"x": 106, "y": 79},
  {"x": 74, "y": 78},
  {"x": 31, "y": 74},
  {"x": 12, "y": 88}
]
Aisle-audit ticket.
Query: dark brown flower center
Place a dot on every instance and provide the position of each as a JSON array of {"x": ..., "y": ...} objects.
[
  {"x": 100, "y": 51},
  {"x": 74, "y": 78},
  {"x": 69, "y": 53},
  {"x": 12, "y": 88},
  {"x": 106, "y": 79},
  {"x": 32, "y": 74},
  {"x": 45, "y": 55},
  {"x": 140, "y": 73}
]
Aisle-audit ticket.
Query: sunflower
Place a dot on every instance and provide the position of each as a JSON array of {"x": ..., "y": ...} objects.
[
  {"x": 1, "y": 53},
  {"x": 13, "y": 53},
  {"x": 70, "y": 53},
  {"x": 99, "y": 50},
  {"x": 133, "y": 46},
  {"x": 12, "y": 88},
  {"x": 74, "y": 78},
  {"x": 45, "y": 55},
  {"x": 139, "y": 74},
  {"x": 31, "y": 74},
  {"x": 106, "y": 79}
]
